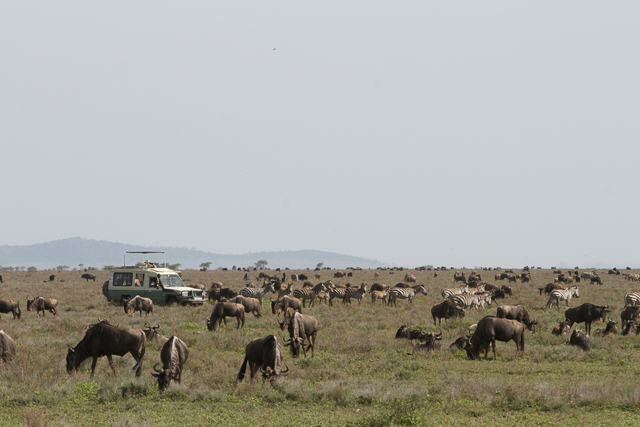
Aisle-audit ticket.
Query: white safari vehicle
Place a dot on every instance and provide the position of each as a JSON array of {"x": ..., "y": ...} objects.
[{"x": 162, "y": 285}]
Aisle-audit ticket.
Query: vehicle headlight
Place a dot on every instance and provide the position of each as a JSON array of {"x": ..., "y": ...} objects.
[{"x": 185, "y": 293}]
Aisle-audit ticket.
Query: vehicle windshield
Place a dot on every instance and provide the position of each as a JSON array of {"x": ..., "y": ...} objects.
[{"x": 170, "y": 281}]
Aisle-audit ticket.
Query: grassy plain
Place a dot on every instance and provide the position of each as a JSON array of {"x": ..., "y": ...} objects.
[{"x": 361, "y": 375}]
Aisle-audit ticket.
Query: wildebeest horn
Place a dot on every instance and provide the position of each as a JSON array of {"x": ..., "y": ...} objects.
[
  {"x": 286, "y": 371},
  {"x": 155, "y": 368},
  {"x": 440, "y": 332}
]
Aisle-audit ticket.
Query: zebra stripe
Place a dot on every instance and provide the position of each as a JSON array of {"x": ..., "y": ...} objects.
[
  {"x": 632, "y": 298},
  {"x": 446, "y": 293},
  {"x": 466, "y": 301},
  {"x": 256, "y": 293},
  {"x": 339, "y": 293},
  {"x": 357, "y": 294},
  {"x": 405, "y": 293},
  {"x": 309, "y": 293},
  {"x": 558, "y": 295}
]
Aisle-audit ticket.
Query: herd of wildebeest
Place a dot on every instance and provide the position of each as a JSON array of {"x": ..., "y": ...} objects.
[{"x": 291, "y": 294}]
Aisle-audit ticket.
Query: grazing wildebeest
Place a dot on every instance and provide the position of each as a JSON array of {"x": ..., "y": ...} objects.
[
  {"x": 51, "y": 278},
  {"x": 586, "y": 313},
  {"x": 491, "y": 329},
  {"x": 432, "y": 342},
  {"x": 265, "y": 354},
  {"x": 596, "y": 279},
  {"x": 410, "y": 278},
  {"x": 222, "y": 310},
  {"x": 562, "y": 328},
  {"x": 446, "y": 310},
  {"x": 581, "y": 340},
  {"x": 301, "y": 327},
  {"x": 151, "y": 332},
  {"x": 218, "y": 294},
  {"x": 251, "y": 305},
  {"x": 519, "y": 313},
  {"x": 138, "y": 303},
  {"x": 9, "y": 305},
  {"x": 173, "y": 355},
  {"x": 88, "y": 276},
  {"x": 40, "y": 304},
  {"x": 282, "y": 303},
  {"x": 507, "y": 290},
  {"x": 103, "y": 339},
  {"x": 7, "y": 347}
]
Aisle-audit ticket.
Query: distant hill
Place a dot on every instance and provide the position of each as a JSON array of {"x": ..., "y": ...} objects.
[{"x": 98, "y": 253}]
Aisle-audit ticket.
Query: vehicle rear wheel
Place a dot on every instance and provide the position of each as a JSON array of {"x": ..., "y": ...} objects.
[{"x": 172, "y": 302}]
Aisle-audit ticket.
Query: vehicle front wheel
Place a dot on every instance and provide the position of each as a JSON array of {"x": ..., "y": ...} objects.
[{"x": 172, "y": 302}]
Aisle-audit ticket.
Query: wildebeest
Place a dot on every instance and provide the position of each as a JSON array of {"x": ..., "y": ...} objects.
[
  {"x": 446, "y": 310},
  {"x": 410, "y": 278},
  {"x": 217, "y": 294},
  {"x": 491, "y": 329},
  {"x": 151, "y": 332},
  {"x": 103, "y": 339},
  {"x": 40, "y": 304},
  {"x": 51, "y": 278},
  {"x": 460, "y": 344},
  {"x": 507, "y": 290},
  {"x": 549, "y": 288},
  {"x": 251, "y": 305},
  {"x": 562, "y": 328},
  {"x": 173, "y": 355},
  {"x": 88, "y": 276},
  {"x": 432, "y": 342},
  {"x": 596, "y": 279},
  {"x": 630, "y": 313},
  {"x": 7, "y": 347},
  {"x": 586, "y": 313},
  {"x": 282, "y": 303},
  {"x": 519, "y": 313},
  {"x": 222, "y": 310},
  {"x": 265, "y": 354},
  {"x": 301, "y": 327},
  {"x": 459, "y": 277},
  {"x": 138, "y": 303},
  {"x": 611, "y": 328},
  {"x": 631, "y": 327},
  {"x": 9, "y": 305},
  {"x": 411, "y": 334},
  {"x": 581, "y": 340}
]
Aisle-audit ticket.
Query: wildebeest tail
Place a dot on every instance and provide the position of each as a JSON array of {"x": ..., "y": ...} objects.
[{"x": 243, "y": 369}]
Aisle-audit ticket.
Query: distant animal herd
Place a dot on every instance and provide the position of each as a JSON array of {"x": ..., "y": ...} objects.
[{"x": 265, "y": 354}]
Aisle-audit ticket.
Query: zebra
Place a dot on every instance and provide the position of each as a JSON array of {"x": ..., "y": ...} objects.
[
  {"x": 257, "y": 293},
  {"x": 632, "y": 298},
  {"x": 309, "y": 293},
  {"x": 357, "y": 294},
  {"x": 339, "y": 293},
  {"x": 405, "y": 293},
  {"x": 465, "y": 301},
  {"x": 446, "y": 293},
  {"x": 558, "y": 295}
]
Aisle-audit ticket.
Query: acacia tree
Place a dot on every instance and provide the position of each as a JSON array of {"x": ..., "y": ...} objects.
[
  {"x": 206, "y": 265},
  {"x": 260, "y": 264}
]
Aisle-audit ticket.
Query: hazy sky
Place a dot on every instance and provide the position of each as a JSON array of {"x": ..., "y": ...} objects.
[{"x": 445, "y": 133}]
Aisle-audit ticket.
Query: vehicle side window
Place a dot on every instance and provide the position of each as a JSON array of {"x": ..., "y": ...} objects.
[
  {"x": 139, "y": 279},
  {"x": 122, "y": 279}
]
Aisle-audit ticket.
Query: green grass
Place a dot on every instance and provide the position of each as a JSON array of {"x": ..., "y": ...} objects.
[{"x": 361, "y": 375}]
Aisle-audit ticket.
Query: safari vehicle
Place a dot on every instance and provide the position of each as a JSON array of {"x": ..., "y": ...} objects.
[{"x": 161, "y": 284}]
